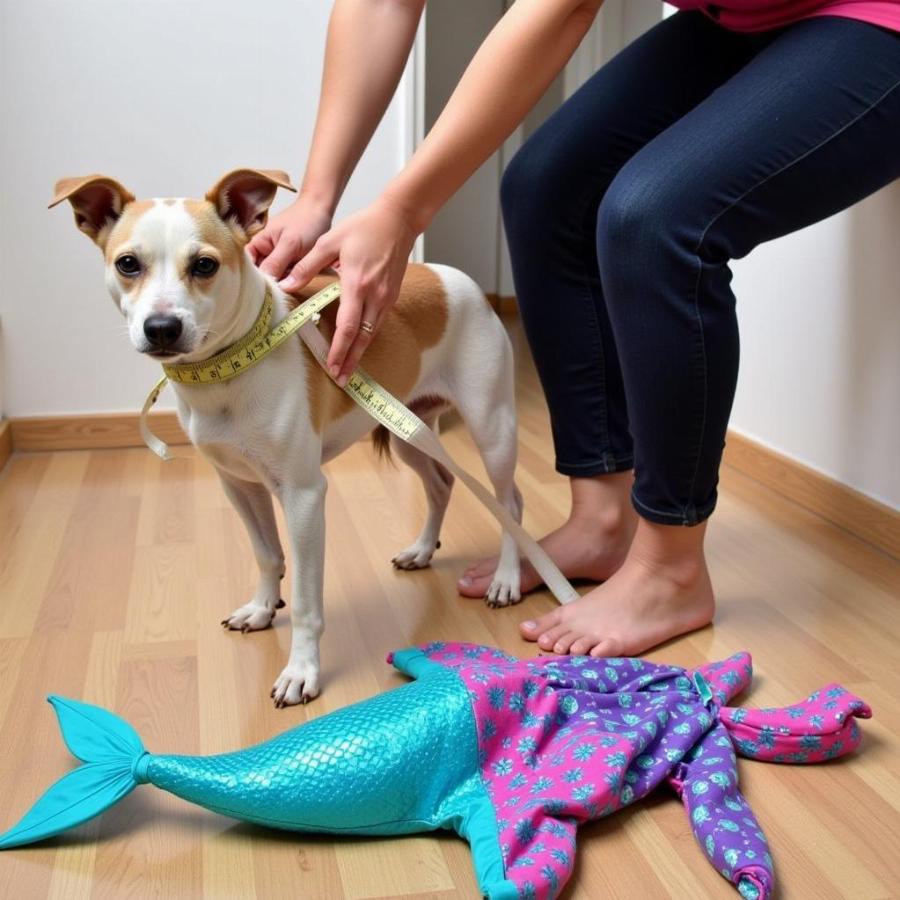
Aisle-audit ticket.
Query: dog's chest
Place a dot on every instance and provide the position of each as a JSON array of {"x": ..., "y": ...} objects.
[{"x": 250, "y": 427}]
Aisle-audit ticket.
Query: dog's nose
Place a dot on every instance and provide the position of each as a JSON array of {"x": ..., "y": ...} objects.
[{"x": 162, "y": 331}]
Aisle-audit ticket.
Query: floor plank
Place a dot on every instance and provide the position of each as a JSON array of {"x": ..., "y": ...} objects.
[{"x": 115, "y": 571}]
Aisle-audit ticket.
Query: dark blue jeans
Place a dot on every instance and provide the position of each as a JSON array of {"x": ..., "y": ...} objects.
[{"x": 623, "y": 210}]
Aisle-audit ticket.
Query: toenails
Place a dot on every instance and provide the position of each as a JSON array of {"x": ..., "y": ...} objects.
[
  {"x": 297, "y": 684},
  {"x": 418, "y": 556},
  {"x": 250, "y": 617},
  {"x": 502, "y": 593}
]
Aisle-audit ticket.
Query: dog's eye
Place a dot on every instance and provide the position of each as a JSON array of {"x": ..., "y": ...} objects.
[
  {"x": 204, "y": 266},
  {"x": 128, "y": 265}
]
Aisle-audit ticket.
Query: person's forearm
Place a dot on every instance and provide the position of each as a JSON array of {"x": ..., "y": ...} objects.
[
  {"x": 367, "y": 47},
  {"x": 516, "y": 63}
]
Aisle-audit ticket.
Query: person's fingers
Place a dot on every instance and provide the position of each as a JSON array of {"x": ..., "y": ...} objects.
[
  {"x": 346, "y": 330},
  {"x": 284, "y": 255},
  {"x": 321, "y": 255},
  {"x": 363, "y": 338},
  {"x": 296, "y": 278},
  {"x": 261, "y": 246}
]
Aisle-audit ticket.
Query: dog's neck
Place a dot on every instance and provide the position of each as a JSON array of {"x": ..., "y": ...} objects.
[{"x": 247, "y": 309}]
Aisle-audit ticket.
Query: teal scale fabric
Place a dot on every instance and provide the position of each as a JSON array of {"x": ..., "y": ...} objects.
[{"x": 402, "y": 762}]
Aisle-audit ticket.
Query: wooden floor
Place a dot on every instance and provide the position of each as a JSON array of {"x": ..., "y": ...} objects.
[{"x": 115, "y": 570}]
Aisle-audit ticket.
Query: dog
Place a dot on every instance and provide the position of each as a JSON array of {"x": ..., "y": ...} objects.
[{"x": 178, "y": 271}]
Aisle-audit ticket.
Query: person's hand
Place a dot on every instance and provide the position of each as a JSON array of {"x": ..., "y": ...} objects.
[
  {"x": 371, "y": 250},
  {"x": 289, "y": 236}
]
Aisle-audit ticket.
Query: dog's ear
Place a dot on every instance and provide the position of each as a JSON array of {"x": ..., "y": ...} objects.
[
  {"x": 245, "y": 195},
  {"x": 98, "y": 202}
]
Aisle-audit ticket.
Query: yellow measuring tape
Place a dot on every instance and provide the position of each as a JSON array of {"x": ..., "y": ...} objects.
[
  {"x": 236, "y": 359},
  {"x": 256, "y": 344},
  {"x": 376, "y": 400}
]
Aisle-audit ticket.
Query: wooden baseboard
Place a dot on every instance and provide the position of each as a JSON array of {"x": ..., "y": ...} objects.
[
  {"x": 6, "y": 444},
  {"x": 866, "y": 518},
  {"x": 92, "y": 431},
  {"x": 862, "y": 516}
]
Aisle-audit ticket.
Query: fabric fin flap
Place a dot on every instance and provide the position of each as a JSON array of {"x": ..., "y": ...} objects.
[{"x": 112, "y": 754}]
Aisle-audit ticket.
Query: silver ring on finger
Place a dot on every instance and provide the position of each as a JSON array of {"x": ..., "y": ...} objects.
[{"x": 367, "y": 326}]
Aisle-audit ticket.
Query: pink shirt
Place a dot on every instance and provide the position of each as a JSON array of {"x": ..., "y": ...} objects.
[{"x": 760, "y": 15}]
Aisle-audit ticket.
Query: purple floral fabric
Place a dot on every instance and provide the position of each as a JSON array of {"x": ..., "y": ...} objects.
[{"x": 566, "y": 740}]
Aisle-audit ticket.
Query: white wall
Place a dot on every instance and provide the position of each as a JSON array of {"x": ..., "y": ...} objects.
[
  {"x": 820, "y": 346},
  {"x": 165, "y": 97},
  {"x": 465, "y": 232}
]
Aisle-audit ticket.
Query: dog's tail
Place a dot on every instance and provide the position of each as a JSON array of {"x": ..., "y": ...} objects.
[
  {"x": 114, "y": 763},
  {"x": 381, "y": 441}
]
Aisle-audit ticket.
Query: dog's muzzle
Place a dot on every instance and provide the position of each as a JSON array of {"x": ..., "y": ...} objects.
[{"x": 162, "y": 333}]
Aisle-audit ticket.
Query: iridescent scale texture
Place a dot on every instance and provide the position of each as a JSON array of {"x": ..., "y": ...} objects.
[{"x": 389, "y": 765}]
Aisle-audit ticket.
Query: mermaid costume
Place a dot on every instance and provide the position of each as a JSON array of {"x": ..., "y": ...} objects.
[{"x": 513, "y": 755}]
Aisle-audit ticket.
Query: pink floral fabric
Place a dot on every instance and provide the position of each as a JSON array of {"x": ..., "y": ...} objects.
[
  {"x": 566, "y": 740},
  {"x": 819, "y": 728}
]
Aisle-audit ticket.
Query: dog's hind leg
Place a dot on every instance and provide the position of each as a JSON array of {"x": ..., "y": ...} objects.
[
  {"x": 487, "y": 405},
  {"x": 438, "y": 483},
  {"x": 253, "y": 503}
]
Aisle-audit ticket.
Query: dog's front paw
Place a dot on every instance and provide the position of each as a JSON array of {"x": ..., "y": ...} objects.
[
  {"x": 297, "y": 683},
  {"x": 503, "y": 593},
  {"x": 416, "y": 556},
  {"x": 251, "y": 617}
]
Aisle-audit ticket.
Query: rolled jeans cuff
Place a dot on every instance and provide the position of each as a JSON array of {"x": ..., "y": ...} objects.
[
  {"x": 606, "y": 464},
  {"x": 688, "y": 515}
]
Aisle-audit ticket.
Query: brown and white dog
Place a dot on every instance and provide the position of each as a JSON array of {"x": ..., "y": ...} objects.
[{"x": 178, "y": 271}]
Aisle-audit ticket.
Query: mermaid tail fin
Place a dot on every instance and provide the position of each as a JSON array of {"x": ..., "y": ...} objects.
[{"x": 114, "y": 761}]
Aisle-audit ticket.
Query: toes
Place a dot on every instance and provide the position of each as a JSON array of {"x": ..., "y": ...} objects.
[
  {"x": 476, "y": 581},
  {"x": 501, "y": 593},
  {"x": 474, "y": 587},
  {"x": 583, "y": 645},
  {"x": 249, "y": 618},
  {"x": 294, "y": 685},
  {"x": 604, "y": 648},
  {"x": 549, "y": 638},
  {"x": 281, "y": 693},
  {"x": 562, "y": 644},
  {"x": 532, "y": 629},
  {"x": 415, "y": 557},
  {"x": 481, "y": 568},
  {"x": 292, "y": 694}
]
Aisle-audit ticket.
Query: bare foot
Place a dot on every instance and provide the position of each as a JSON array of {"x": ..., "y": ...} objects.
[
  {"x": 581, "y": 548},
  {"x": 591, "y": 545},
  {"x": 646, "y": 602}
]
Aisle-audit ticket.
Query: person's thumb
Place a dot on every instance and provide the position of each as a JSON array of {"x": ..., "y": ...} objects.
[
  {"x": 284, "y": 255},
  {"x": 307, "y": 268}
]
